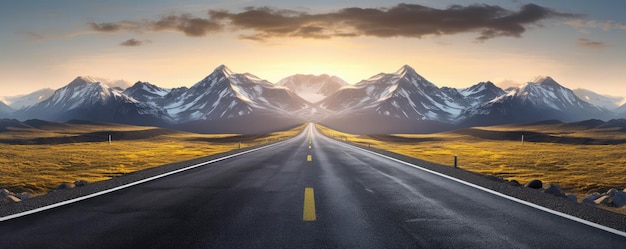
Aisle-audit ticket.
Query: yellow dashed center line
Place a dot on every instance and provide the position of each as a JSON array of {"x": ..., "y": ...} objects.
[{"x": 308, "y": 214}]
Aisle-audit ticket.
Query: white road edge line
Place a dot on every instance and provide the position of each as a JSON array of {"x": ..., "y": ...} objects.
[
  {"x": 530, "y": 204},
  {"x": 82, "y": 198}
]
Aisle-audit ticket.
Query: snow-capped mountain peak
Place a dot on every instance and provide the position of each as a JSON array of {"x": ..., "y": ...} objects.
[
  {"x": 82, "y": 80},
  {"x": 404, "y": 94},
  {"x": 404, "y": 70},
  {"x": 224, "y": 94},
  {"x": 540, "y": 99},
  {"x": 86, "y": 98}
]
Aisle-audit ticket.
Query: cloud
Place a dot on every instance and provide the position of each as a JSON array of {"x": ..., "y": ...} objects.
[
  {"x": 187, "y": 24},
  {"x": 505, "y": 84},
  {"x": 402, "y": 20},
  {"x": 604, "y": 25},
  {"x": 586, "y": 43},
  {"x": 133, "y": 43}
]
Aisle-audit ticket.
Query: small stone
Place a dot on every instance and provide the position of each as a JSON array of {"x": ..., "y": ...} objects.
[
  {"x": 534, "y": 184},
  {"x": 514, "y": 183},
  {"x": 555, "y": 190},
  {"x": 65, "y": 185},
  {"x": 80, "y": 183},
  {"x": 572, "y": 198}
]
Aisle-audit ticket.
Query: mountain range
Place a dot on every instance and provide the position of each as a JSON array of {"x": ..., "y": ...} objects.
[{"x": 399, "y": 102}]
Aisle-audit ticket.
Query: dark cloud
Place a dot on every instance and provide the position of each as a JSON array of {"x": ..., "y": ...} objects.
[
  {"x": 402, "y": 20},
  {"x": 133, "y": 43},
  {"x": 105, "y": 27},
  {"x": 586, "y": 43},
  {"x": 187, "y": 24}
]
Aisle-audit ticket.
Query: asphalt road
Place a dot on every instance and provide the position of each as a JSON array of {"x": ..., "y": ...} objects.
[{"x": 307, "y": 192}]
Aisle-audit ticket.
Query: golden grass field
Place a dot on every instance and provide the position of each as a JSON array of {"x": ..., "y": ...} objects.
[
  {"x": 38, "y": 168},
  {"x": 578, "y": 169}
]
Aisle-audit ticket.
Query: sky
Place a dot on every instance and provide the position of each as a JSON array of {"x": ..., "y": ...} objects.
[{"x": 172, "y": 43}]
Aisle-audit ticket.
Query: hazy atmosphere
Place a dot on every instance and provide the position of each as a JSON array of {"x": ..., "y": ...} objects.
[{"x": 451, "y": 43}]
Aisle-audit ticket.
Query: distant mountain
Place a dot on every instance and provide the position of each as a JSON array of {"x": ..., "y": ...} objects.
[
  {"x": 116, "y": 84},
  {"x": 402, "y": 101},
  {"x": 620, "y": 111},
  {"x": 86, "y": 98},
  {"x": 147, "y": 93},
  {"x": 5, "y": 109},
  {"x": 223, "y": 98},
  {"x": 27, "y": 100},
  {"x": 608, "y": 102},
  {"x": 541, "y": 99},
  {"x": 227, "y": 102},
  {"x": 312, "y": 88},
  {"x": 481, "y": 93}
]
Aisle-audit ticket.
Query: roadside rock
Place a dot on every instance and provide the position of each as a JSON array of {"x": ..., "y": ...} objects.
[
  {"x": 555, "y": 190},
  {"x": 619, "y": 199},
  {"x": 7, "y": 197},
  {"x": 611, "y": 192},
  {"x": 603, "y": 200},
  {"x": 590, "y": 199},
  {"x": 80, "y": 183},
  {"x": 514, "y": 183},
  {"x": 23, "y": 196},
  {"x": 534, "y": 184},
  {"x": 65, "y": 185}
]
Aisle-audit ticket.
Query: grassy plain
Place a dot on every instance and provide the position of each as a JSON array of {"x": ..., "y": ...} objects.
[
  {"x": 578, "y": 168},
  {"x": 39, "y": 166}
]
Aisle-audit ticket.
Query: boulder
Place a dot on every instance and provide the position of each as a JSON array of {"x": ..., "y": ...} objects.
[
  {"x": 534, "y": 184},
  {"x": 572, "y": 198},
  {"x": 555, "y": 190},
  {"x": 619, "y": 199}
]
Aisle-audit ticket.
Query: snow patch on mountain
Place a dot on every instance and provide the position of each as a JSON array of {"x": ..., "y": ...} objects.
[
  {"x": 26, "y": 100},
  {"x": 605, "y": 101},
  {"x": 312, "y": 88}
]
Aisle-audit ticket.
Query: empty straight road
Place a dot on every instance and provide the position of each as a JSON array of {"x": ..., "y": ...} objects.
[{"x": 307, "y": 192}]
